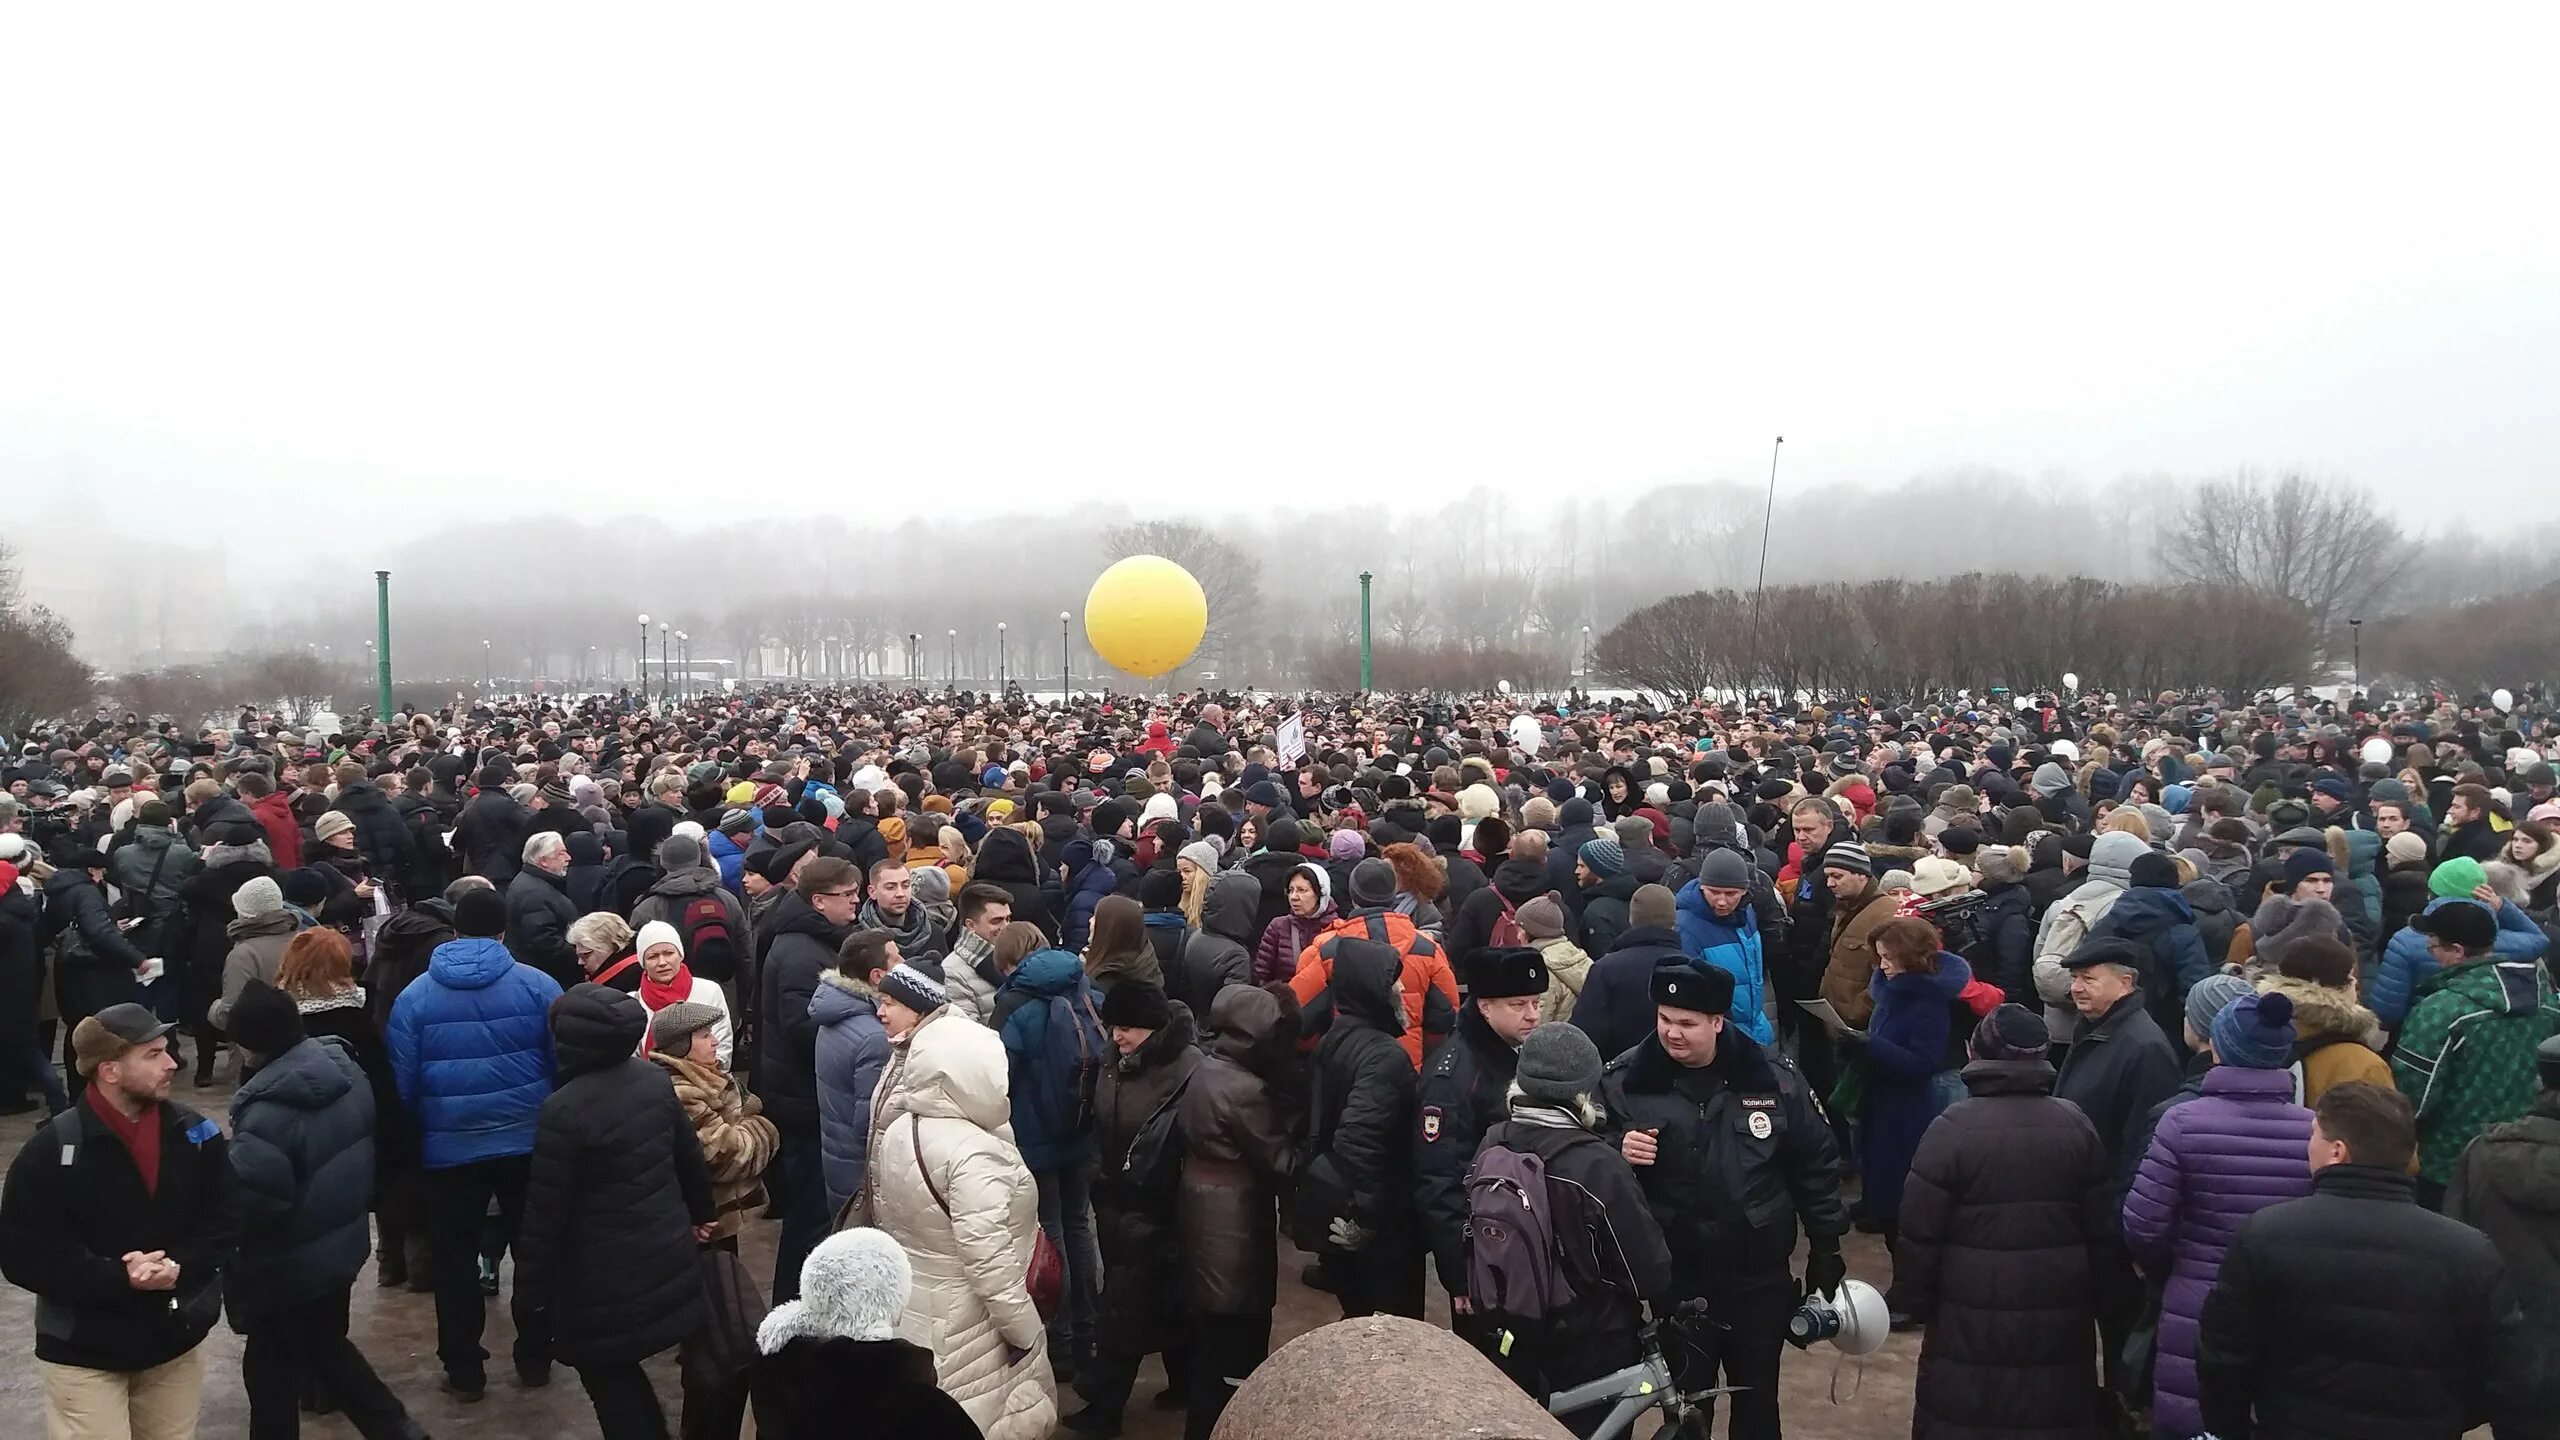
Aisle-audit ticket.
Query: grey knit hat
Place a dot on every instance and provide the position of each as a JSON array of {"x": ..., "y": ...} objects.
[
  {"x": 2210, "y": 997},
  {"x": 259, "y": 896},
  {"x": 1558, "y": 1064}
]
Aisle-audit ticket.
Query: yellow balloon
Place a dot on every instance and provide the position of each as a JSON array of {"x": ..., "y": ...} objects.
[{"x": 1145, "y": 615}]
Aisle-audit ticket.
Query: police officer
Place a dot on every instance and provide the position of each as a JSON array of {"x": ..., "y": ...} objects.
[
  {"x": 1732, "y": 1155},
  {"x": 1465, "y": 1082}
]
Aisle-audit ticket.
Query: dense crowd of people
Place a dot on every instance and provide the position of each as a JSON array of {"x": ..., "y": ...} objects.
[{"x": 2193, "y": 1055}]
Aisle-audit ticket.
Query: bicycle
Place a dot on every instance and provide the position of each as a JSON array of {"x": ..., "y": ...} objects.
[{"x": 1647, "y": 1384}]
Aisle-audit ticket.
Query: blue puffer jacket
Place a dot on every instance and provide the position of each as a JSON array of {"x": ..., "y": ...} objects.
[
  {"x": 302, "y": 1147},
  {"x": 471, "y": 1049},
  {"x": 2405, "y": 961},
  {"x": 730, "y": 858},
  {"x": 1732, "y": 946},
  {"x": 852, "y": 1051},
  {"x": 2162, "y": 922},
  {"x": 1022, "y": 1018},
  {"x": 1092, "y": 876}
]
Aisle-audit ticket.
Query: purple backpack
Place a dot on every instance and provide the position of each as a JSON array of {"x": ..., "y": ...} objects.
[{"x": 1514, "y": 1262}]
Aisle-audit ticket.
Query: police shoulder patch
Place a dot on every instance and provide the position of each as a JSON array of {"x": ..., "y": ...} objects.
[{"x": 1430, "y": 1122}]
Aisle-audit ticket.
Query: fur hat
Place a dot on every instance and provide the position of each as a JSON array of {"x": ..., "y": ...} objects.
[
  {"x": 852, "y": 1287},
  {"x": 2003, "y": 864},
  {"x": 1707, "y": 989},
  {"x": 1499, "y": 973}
]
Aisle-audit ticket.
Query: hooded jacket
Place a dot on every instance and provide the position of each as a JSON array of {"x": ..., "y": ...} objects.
[
  {"x": 1005, "y": 861},
  {"x": 1095, "y": 871},
  {"x": 1142, "y": 1269},
  {"x": 606, "y": 1248},
  {"x": 2162, "y": 922},
  {"x": 2216, "y": 922},
  {"x": 952, "y": 1190},
  {"x": 2465, "y": 1057},
  {"x": 1219, "y": 953},
  {"x": 1275, "y": 955},
  {"x": 471, "y": 1050},
  {"x": 381, "y": 837},
  {"x": 2337, "y": 1040},
  {"x": 1022, "y": 1016},
  {"x": 852, "y": 1053},
  {"x": 1430, "y": 988},
  {"x": 2003, "y": 1219},
  {"x": 1360, "y": 1119},
  {"x": 2214, "y": 1162},
  {"x": 490, "y": 833},
  {"x": 302, "y": 1150},
  {"x": 1239, "y": 1156}
]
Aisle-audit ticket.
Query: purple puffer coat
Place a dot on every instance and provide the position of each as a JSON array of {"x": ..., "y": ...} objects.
[{"x": 2214, "y": 1162}]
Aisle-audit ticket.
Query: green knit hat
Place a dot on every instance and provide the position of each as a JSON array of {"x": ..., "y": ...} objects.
[{"x": 2457, "y": 877}]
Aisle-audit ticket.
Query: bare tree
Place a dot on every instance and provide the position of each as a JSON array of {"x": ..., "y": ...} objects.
[{"x": 2319, "y": 542}]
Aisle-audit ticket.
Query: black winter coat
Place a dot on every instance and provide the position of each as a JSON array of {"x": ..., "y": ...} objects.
[
  {"x": 1144, "y": 1300},
  {"x": 804, "y": 944},
  {"x": 490, "y": 834},
  {"x": 302, "y": 1147},
  {"x": 430, "y": 858},
  {"x": 1360, "y": 1108},
  {"x": 1729, "y": 1198},
  {"x": 1616, "y": 1005},
  {"x": 2004, "y": 1217},
  {"x": 2417, "y": 1336},
  {"x": 1614, "y": 1255},
  {"x": 838, "y": 1389},
  {"x": 1239, "y": 1154},
  {"x": 20, "y": 970},
  {"x": 351, "y": 1023},
  {"x": 1460, "y": 1096},
  {"x": 539, "y": 914},
  {"x": 400, "y": 952},
  {"x": 2118, "y": 1068},
  {"x": 382, "y": 838},
  {"x": 2007, "y": 926},
  {"x": 606, "y": 1249},
  {"x": 1604, "y": 911},
  {"x": 1519, "y": 881},
  {"x": 74, "y": 1206}
]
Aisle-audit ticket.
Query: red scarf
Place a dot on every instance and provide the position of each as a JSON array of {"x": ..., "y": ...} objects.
[
  {"x": 675, "y": 992},
  {"x": 141, "y": 1135}
]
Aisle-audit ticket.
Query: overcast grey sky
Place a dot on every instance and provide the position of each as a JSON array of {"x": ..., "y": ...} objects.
[{"x": 757, "y": 259}]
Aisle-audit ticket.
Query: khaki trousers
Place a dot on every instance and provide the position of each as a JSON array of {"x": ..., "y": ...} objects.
[{"x": 155, "y": 1404}]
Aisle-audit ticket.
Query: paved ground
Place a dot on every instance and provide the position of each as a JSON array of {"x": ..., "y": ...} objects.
[{"x": 396, "y": 1329}]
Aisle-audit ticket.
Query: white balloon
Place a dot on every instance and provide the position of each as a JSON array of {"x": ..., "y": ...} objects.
[
  {"x": 2375, "y": 751},
  {"x": 2503, "y": 699},
  {"x": 2070, "y": 681},
  {"x": 2023, "y": 703},
  {"x": 2067, "y": 751},
  {"x": 1502, "y": 686}
]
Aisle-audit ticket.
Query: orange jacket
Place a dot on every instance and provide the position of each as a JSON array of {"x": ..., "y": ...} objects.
[{"x": 1426, "y": 977}]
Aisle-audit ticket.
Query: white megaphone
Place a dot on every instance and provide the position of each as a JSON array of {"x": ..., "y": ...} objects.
[{"x": 1853, "y": 1318}]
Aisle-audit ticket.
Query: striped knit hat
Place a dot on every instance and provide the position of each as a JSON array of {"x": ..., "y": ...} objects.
[{"x": 1848, "y": 855}]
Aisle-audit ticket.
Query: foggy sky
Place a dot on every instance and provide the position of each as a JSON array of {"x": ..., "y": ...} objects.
[{"x": 343, "y": 263}]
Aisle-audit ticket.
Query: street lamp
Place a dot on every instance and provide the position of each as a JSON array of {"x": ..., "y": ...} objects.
[
  {"x": 488, "y": 677},
  {"x": 666, "y": 676},
  {"x": 589, "y": 675},
  {"x": 950, "y": 659},
  {"x": 684, "y": 661},
  {"x": 1586, "y": 657},
  {"x": 1063, "y": 652},
  {"x": 999, "y": 658},
  {"x": 2355, "y": 629},
  {"x": 640, "y": 672},
  {"x": 915, "y": 650}
]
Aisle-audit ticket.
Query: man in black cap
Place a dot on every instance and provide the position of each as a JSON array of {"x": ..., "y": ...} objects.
[
  {"x": 1464, "y": 1082},
  {"x": 118, "y": 1215},
  {"x": 2119, "y": 1066},
  {"x": 1733, "y": 1155}
]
